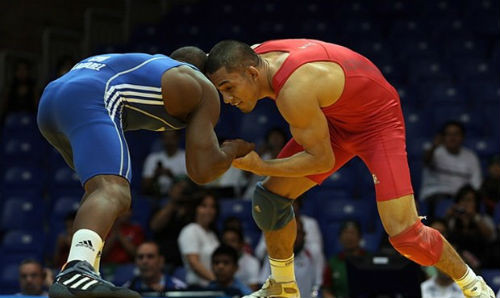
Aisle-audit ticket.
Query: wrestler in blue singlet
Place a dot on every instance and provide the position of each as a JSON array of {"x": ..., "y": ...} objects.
[{"x": 85, "y": 112}]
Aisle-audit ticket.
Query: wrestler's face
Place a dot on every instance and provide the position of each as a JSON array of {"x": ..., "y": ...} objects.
[{"x": 238, "y": 88}]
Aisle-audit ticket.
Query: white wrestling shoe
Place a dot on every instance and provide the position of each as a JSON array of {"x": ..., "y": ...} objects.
[
  {"x": 478, "y": 289},
  {"x": 272, "y": 288}
]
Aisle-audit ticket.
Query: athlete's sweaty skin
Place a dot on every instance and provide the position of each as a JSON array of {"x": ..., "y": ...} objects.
[
  {"x": 84, "y": 113},
  {"x": 328, "y": 125}
]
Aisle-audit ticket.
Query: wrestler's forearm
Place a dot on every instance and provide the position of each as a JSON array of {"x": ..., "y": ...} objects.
[{"x": 298, "y": 165}]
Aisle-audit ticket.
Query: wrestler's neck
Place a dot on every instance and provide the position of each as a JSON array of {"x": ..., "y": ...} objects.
[{"x": 271, "y": 63}]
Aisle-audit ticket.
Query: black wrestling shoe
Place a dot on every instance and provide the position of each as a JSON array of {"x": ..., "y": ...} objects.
[{"x": 79, "y": 280}]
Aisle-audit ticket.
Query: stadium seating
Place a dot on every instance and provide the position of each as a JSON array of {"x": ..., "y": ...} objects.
[
  {"x": 23, "y": 150},
  {"x": 124, "y": 273},
  {"x": 18, "y": 177},
  {"x": 339, "y": 210},
  {"x": 9, "y": 278},
  {"x": 492, "y": 278},
  {"x": 265, "y": 116},
  {"x": 23, "y": 241},
  {"x": 65, "y": 178},
  {"x": 442, "y": 56},
  {"x": 237, "y": 208},
  {"x": 22, "y": 213},
  {"x": 442, "y": 207}
]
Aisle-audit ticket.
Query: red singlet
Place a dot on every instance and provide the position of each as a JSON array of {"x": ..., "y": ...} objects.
[{"x": 366, "y": 120}]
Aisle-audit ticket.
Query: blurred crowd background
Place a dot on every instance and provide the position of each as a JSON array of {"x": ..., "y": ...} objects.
[{"x": 442, "y": 56}]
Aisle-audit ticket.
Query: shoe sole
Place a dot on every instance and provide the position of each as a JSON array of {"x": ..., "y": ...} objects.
[{"x": 60, "y": 291}]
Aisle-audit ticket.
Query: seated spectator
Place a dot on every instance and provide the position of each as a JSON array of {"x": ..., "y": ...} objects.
[
  {"x": 313, "y": 240},
  {"x": 232, "y": 222},
  {"x": 469, "y": 229},
  {"x": 490, "y": 189},
  {"x": 275, "y": 141},
  {"x": 440, "y": 225},
  {"x": 440, "y": 286},
  {"x": 63, "y": 243},
  {"x": 167, "y": 222},
  {"x": 306, "y": 265},
  {"x": 151, "y": 277},
  {"x": 122, "y": 241},
  {"x": 335, "y": 283},
  {"x": 448, "y": 166},
  {"x": 198, "y": 240},
  {"x": 33, "y": 278},
  {"x": 248, "y": 265},
  {"x": 230, "y": 184},
  {"x": 224, "y": 267},
  {"x": 161, "y": 168}
]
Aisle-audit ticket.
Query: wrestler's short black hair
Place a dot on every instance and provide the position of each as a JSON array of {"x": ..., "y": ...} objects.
[
  {"x": 232, "y": 55},
  {"x": 191, "y": 55}
]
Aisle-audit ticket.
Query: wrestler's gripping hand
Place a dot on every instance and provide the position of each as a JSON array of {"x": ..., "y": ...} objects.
[
  {"x": 238, "y": 146},
  {"x": 250, "y": 162}
]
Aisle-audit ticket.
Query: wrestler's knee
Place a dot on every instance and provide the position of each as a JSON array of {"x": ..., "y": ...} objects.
[
  {"x": 269, "y": 210},
  {"x": 419, "y": 243},
  {"x": 115, "y": 190}
]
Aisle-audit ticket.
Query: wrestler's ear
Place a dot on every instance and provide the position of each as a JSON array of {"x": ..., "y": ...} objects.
[{"x": 253, "y": 72}]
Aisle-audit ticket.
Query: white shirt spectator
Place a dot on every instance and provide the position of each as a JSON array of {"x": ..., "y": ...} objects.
[
  {"x": 313, "y": 243},
  {"x": 234, "y": 178},
  {"x": 305, "y": 265},
  {"x": 430, "y": 289},
  {"x": 451, "y": 172},
  {"x": 193, "y": 239},
  {"x": 176, "y": 164},
  {"x": 498, "y": 294},
  {"x": 248, "y": 269}
]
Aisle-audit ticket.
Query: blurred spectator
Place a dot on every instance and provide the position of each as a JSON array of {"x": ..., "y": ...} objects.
[
  {"x": 306, "y": 264},
  {"x": 21, "y": 95},
  {"x": 275, "y": 141},
  {"x": 469, "y": 229},
  {"x": 248, "y": 265},
  {"x": 198, "y": 240},
  {"x": 234, "y": 222},
  {"x": 161, "y": 168},
  {"x": 63, "y": 243},
  {"x": 151, "y": 277},
  {"x": 498, "y": 294},
  {"x": 313, "y": 240},
  {"x": 439, "y": 224},
  {"x": 490, "y": 189},
  {"x": 224, "y": 266},
  {"x": 448, "y": 166},
  {"x": 440, "y": 286},
  {"x": 167, "y": 222},
  {"x": 122, "y": 241},
  {"x": 33, "y": 278},
  {"x": 335, "y": 283},
  {"x": 230, "y": 184}
]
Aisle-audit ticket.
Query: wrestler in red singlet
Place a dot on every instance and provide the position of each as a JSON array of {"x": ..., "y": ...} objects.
[{"x": 366, "y": 121}]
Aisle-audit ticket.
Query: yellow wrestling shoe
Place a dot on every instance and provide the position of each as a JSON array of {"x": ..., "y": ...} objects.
[
  {"x": 478, "y": 289},
  {"x": 272, "y": 288}
]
